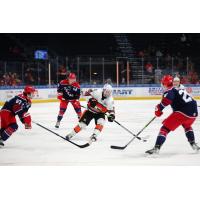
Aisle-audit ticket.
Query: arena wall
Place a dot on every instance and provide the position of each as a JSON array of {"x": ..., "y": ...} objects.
[{"x": 44, "y": 95}]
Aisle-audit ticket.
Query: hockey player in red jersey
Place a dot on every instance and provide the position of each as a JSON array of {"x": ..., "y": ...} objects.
[
  {"x": 68, "y": 91},
  {"x": 18, "y": 105},
  {"x": 184, "y": 114}
]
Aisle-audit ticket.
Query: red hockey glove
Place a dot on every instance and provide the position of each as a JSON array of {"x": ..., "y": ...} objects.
[
  {"x": 60, "y": 97},
  {"x": 158, "y": 112},
  {"x": 88, "y": 92},
  {"x": 27, "y": 121},
  {"x": 28, "y": 126}
]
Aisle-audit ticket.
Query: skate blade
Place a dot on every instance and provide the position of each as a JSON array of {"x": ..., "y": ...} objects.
[{"x": 152, "y": 155}]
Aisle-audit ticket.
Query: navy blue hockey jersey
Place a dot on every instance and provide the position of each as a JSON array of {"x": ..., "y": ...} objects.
[
  {"x": 18, "y": 105},
  {"x": 180, "y": 101},
  {"x": 69, "y": 92}
]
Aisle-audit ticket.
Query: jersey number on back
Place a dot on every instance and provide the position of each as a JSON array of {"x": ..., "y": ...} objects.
[{"x": 186, "y": 97}]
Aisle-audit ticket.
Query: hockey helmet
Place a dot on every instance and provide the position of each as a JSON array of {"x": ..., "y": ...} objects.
[
  {"x": 107, "y": 90},
  {"x": 29, "y": 91},
  {"x": 167, "y": 81},
  {"x": 72, "y": 77}
]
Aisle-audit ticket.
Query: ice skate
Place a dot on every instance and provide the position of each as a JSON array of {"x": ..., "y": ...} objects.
[
  {"x": 154, "y": 151},
  {"x": 93, "y": 138},
  {"x": 70, "y": 136},
  {"x": 195, "y": 147},
  {"x": 57, "y": 124},
  {"x": 1, "y": 142}
]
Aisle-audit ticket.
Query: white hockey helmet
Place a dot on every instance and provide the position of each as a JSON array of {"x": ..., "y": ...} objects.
[
  {"x": 107, "y": 90},
  {"x": 176, "y": 81},
  {"x": 176, "y": 78}
]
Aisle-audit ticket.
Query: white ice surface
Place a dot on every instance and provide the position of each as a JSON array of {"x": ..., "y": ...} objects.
[{"x": 40, "y": 147}]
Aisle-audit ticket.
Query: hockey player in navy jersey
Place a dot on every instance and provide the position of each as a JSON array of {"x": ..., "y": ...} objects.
[
  {"x": 18, "y": 105},
  {"x": 184, "y": 114},
  {"x": 68, "y": 92}
]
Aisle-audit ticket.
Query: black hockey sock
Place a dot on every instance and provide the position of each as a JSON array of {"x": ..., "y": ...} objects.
[
  {"x": 6, "y": 133},
  {"x": 160, "y": 140},
  {"x": 61, "y": 113},
  {"x": 190, "y": 136},
  {"x": 162, "y": 136},
  {"x": 59, "y": 118}
]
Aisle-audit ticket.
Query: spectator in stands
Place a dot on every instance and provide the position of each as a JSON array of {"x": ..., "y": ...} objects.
[
  {"x": 62, "y": 72},
  {"x": 184, "y": 80},
  {"x": 159, "y": 53},
  {"x": 149, "y": 67},
  {"x": 15, "y": 80},
  {"x": 141, "y": 54},
  {"x": 193, "y": 76},
  {"x": 29, "y": 79},
  {"x": 123, "y": 80},
  {"x": 10, "y": 79}
]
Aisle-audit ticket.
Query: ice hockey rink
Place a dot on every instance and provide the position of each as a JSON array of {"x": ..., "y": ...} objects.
[{"x": 40, "y": 147}]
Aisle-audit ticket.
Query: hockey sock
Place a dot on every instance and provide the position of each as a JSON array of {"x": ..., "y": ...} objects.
[
  {"x": 5, "y": 134},
  {"x": 190, "y": 136},
  {"x": 79, "y": 127},
  {"x": 98, "y": 128},
  {"x": 61, "y": 113},
  {"x": 78, "y": 112},
  {"x": 161, "y": 137}
]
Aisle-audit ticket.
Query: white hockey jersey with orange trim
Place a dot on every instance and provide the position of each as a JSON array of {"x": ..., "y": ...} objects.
[{"x": 105, "y": 104}]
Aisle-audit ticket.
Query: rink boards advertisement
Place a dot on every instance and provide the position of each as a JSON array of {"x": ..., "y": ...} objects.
[{"x": 50, "y": 94}]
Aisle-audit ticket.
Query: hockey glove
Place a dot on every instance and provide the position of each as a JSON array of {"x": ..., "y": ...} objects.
[
  {"x": 158, "y": 112},
  {"x": 27, "y": 126},
  {"x": 87, "y": 93},
  {"x": 92, "y": 102},
  {"x": 60, "y": 97},
  {"x": 27, "y": 121},
  {"x": 111, "y": 117}
]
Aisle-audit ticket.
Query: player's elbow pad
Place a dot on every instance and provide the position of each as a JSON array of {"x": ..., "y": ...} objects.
[{"x": 165, "y": 102}]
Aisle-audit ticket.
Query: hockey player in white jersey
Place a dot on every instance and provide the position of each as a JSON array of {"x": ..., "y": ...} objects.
[
  {"x": 177, "y": 83},
  {"x": 99, "y": 102}
]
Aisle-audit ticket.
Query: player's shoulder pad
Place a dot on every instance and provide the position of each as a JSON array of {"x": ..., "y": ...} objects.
[
  {"x": 169, "y": 92},
  {"x": 182, "y": 86},
  {"x": 76, "y": 84},
  {"x": 21, "y": 96},
  {"x": 64, "y": 82}
]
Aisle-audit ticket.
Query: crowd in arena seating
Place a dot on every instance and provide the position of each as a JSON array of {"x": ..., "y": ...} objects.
[
  {"x": 10, "y": 79},
  {"x": 32, "y": 77},
  {"x": 169, "y": 64}
]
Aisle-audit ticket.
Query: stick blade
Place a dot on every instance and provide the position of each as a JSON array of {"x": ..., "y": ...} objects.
[
  {"x": 78, "y": 145},
  {"x": 84, "y": 145},
  {"x": 117, "y": 147}
]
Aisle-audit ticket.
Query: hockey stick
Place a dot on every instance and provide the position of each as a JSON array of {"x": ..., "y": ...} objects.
[
  {"x": 139, "y": 138},
  {"x": 123, "y": 147},
  {"x": 80, "y": 146},
  {"x": 143, "y": 139}
]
